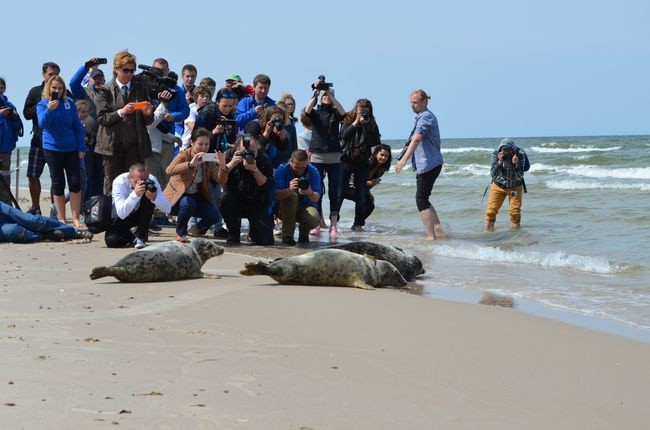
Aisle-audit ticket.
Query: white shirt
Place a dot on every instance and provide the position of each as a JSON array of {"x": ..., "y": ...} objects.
[
  {"x": 126, "y": 201},
  {"x": 156, "y": 136},
  {"x": 186, "y": 131}
]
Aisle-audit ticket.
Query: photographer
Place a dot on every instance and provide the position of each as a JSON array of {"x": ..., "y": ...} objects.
[
  {"x": 189, "y": 190},
  {"x": 360, "y": 134},
  {"x": 95, "y": 79},
  {"x": 297, "y": 190},
  {"x": 122, "y": 138},
  {"x": 507, "y": 168},
  {"x": 135, "y": 194},
  {"x": 220, "y": 119},
  {"x": 236, "y": 85},
  {"x": 246, "y": 192},
  {"x": 11, "y": 128},
  {"x": 249, "y": 108},
  {"x": 179, "y": 107},
  {"x": 325, "y": 146},
  {"x": 273, "y": 137}
]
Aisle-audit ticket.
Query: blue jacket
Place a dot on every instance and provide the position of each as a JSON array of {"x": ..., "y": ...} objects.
[
  {"x": 10, "y": 127},
  {"x": 62, "y": 130},
  {"x": 246, "y": 110},
  {"x": 179, "y": 109},
  {"x": 283, "y": 175}
]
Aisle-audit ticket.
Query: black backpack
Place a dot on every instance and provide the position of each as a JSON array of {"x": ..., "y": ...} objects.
[{"x": 98, "y": 213}]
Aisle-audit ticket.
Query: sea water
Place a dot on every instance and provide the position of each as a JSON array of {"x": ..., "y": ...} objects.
[{"x": 583, "y": 245}]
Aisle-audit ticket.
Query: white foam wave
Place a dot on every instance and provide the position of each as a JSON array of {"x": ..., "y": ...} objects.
[
  {"x": 467, "y": 149},
  {"x": 572, "y": 149},
  {"x": 470, "y": 169},
  {"x": 585, "y": 185},
  {"x": 556, "y": 259},
  {"x": 590, "y": 171}
]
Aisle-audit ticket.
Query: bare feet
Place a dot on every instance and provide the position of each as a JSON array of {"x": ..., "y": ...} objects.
[
  {"x": 439, "y": 232},
  {"x": 182, "y": 239}
]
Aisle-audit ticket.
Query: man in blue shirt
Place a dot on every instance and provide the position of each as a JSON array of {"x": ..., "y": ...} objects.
[
  {"x": 250, "y": 107},
  {"x": 297, "y": 190},
  {"x": 424, "y": 149}
]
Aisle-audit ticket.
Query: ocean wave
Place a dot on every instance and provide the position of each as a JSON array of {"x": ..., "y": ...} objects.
[
  {"x": 591, "y": 171},
  {"x": 467, "y": 149},
  {"x": 470, "y": 169},
  {"x": 584, "y": 185},
  {"x": 572, "y": 148},
  {"x": 558, "y": 259}
]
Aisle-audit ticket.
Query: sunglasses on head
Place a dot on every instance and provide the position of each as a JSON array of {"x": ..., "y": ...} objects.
[{"x": 227, "y": 96}]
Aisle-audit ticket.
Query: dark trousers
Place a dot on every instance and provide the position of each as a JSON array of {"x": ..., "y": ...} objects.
[
  {"x": 118, "y": 163},
  {"x": 193, "y": 205},
  {"x": 233, "y": 209},
  {"x": 62, "y": 165},
  {"x": 361, "y": 173},
  {"x": 94, "y": 174},
  {"x": 119, "y": 233},
  {"x": 424, "y": 185}
]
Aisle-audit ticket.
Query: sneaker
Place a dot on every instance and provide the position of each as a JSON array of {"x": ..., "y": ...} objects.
[
  {"x": 34, "y": 211},
  {"x": 222, "y": 233},
  {"x": 194, "y": 231},
  {"x": 139, "y": 243},
  {"x": 334, "y": 232},
  {"x": 288, "y": 241},
  {"x": 84, "y": 234},
  {"x": 54, "y": 235},
  {"x": 154, "y": 227},
  {"x": 357, "y": 228},
  {"x": 315, "y": 232}
]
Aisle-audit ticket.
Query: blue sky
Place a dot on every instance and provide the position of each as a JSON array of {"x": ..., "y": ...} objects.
[{"x": 499, "y": 68}]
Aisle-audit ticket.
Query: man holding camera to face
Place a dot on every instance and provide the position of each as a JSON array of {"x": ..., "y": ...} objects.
[
  {"x": 135, "y": 194},
  {"x": 297, "y": 190},
  {"x": 246, "y": 193},
  {"x": 507, "y": 168}
]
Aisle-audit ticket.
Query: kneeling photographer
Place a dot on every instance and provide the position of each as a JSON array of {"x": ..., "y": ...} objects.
[
  {"x": 135, "y": 194},
  {"x": 360, "y": 134},
  {"x": 297, "y": 190},
  {"x": 246, "y": 192},
  {"x": 189, "y": 183},
  {"x": 508, "y": 165}
]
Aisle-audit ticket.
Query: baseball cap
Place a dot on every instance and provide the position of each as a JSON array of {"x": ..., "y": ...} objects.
[
  {"x": 96, "y": 73},
  {"x": 234, "y": 77}
]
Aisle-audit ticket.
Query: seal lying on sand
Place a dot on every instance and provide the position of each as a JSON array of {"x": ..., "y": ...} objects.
[
  {"x": 334, "y": 267},
  {"x": 166, "y": 261},
  {"x": 408, "y": 265}
]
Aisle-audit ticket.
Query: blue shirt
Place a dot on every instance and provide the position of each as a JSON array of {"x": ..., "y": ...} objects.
[
  {"x": 246, "y": 110},
  {"x": 283, "y": 175},
  {"x": 427, "y": 155}
]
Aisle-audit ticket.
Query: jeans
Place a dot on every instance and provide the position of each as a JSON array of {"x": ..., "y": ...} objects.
[
  {"x": 20, "y": 227},
  {"x": 94, "y": 174},
  {"x": 333, "y": 172},
  {"x": 119, "y": 233},
  {"x": 215, "y": 191},
  {"x": 361, "y": 173},
  {"x": 233, "y": 209},
  {"x": 194, "y": 205}
]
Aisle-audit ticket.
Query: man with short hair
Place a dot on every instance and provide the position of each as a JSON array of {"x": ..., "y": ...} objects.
[
  {"x": 36, "y": 159},
  {"x": 178, "y": 109},
  {"x": 246, "y": 193},
  {"x": 188, "y": 76},
  {"x": 297, "y": 190},
  {"x": 250, "y": 107},
  {"x": 135, "y": 194},
  {"x": 424, "y": 149}
]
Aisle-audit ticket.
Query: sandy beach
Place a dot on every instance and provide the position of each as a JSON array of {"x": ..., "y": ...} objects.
[{"x": 246, "y": 353}]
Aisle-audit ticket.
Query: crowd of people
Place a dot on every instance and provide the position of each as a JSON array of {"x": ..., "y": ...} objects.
[{"x": 170, "y": 151}]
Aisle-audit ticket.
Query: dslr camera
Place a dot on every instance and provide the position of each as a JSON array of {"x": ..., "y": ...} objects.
[
  {"x": 97, "y": 62},
  {"x": 247, "y": 154},
  {"x": 365, "y": 115},
  {"x": 322, "y": 85},
  {"x": 303, "y": 183},
  {"x": 277, "y": 123},
  {"x": 150, "y": 185},
  {"x": 226, "y": 123}
]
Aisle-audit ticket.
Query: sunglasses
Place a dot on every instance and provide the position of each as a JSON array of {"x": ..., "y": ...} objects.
[
  {"x": 125, "y": 70},
  {"x": 227, "y": 96}
]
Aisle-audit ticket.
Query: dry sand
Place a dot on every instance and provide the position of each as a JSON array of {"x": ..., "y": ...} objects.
[{"x": 246, "y": 353}]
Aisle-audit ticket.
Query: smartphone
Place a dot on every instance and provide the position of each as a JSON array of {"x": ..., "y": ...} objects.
[
  {"x": 138, "y": 105},
  {"x": 209, "y": 156},
  {"x": 54, "y": 96}
]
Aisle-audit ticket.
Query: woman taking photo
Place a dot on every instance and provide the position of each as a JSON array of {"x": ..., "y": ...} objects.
[
  {"x": 360, "y": 134},
  {"x": 188, "y": 189},
  {"x": 273, "y": 137},
  {"x": 64, "y": 145}
]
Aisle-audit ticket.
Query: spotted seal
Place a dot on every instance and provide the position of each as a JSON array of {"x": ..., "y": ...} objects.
[
  {"x": 408, "y": 265},
  {"x": 335, "y": 267},
  {"x": 165, "y": 261}
]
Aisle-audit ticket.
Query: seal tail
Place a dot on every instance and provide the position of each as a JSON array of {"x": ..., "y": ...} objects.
[
  {"x": 256, "y": 268},
  {"x": 102, "y": 271}
]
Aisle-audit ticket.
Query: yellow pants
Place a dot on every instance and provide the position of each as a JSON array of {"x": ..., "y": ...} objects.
[{"x": 496, "y": 198}]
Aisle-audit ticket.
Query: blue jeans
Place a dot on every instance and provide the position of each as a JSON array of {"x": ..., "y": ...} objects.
[
  {"x": 333, "y": 172},
  {"x": 20, "y": 227},
  {"x": 215, "y": 190},
  {"x": 194, "y": 205},
  {"x": 361, "y": 173}
]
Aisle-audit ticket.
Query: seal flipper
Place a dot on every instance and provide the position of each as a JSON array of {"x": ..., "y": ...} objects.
[
  {"x": 102, "y": 271},
  {"x": 257, "y": 268},
  {"x": 360, "y": 284}
]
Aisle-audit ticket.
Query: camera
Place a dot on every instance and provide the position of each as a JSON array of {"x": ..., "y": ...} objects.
[
  {"x": 54, "y": 95},
  {"x": 365, "y": 115},
  {"x": 98, "y": 61},
  {"x": 156, "y": 83},
  {"x": 303, "y": 183},
  {"x": 150, "y": 185},
  {"x": 249, "y": 157},
  {"x": 277, "y": 123},
  {"x": 322, "y": 85},
  {"x": 226, "y": 123}
]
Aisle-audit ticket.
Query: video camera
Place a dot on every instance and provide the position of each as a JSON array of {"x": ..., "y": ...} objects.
[
  {"x": 97, "y": 62},
  {"x": 322, "y": 85},
  {"x": 156, "y": 83}
]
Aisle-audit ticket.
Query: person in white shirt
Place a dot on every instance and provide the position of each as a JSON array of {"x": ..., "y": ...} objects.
[{"x": 135, "y": 194}]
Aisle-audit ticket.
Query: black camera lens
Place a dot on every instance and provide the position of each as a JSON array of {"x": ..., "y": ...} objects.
[
  {"x": 365, "y": 116},
  {"x": 249, "y": 158},
  {"x": 303, "y": 183}
]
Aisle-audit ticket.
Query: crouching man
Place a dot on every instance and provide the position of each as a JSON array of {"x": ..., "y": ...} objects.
[
  {"x": 135, "y": 194},
  {"x": 297, "y": 190}
]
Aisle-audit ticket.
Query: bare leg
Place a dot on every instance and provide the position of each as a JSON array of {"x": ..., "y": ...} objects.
[
  {"x": 75, "y": 207},
  {"x": 35, "y": 192},
  {"x": 489, "y": 225},
  {"x": 515, "y": 225},
  {"x": 432, "y": 224},
  {"x": 59, "y": 204}
]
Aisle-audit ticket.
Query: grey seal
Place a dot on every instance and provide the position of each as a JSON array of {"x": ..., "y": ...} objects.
[
  {"x": 165, "y": 261},
  {"x": 334, "y": 267},
  {"x": 408, "y": 265}
]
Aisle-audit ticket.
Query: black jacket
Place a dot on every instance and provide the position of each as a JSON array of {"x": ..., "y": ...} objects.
[{"x": 325, "y": 125}]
